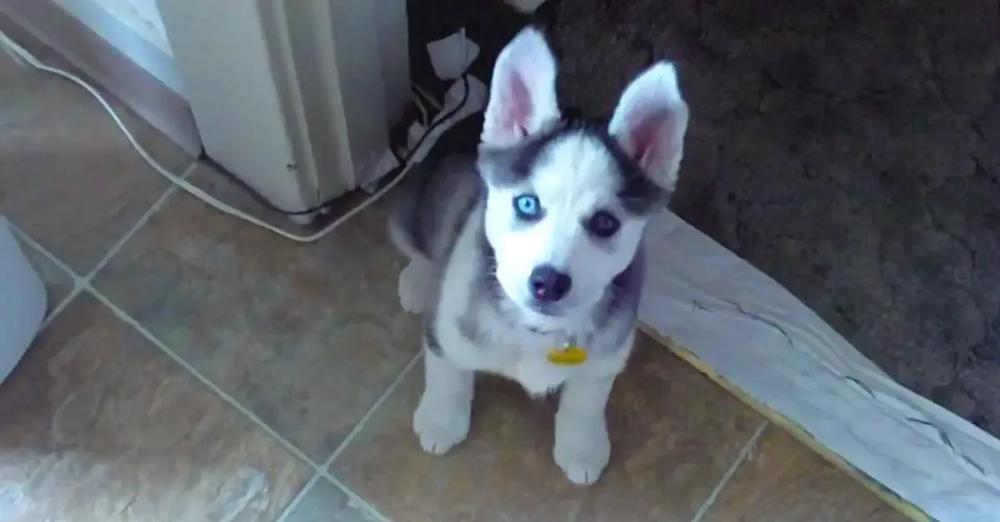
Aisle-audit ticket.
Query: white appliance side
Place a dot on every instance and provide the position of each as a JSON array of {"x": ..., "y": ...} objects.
[
  {"x": 22, "y": 302},
  {"x": 312, "y": 84},
  {"x": 222, "y": 53},
  {"x": 394, "y": 45},
  {"x": 142, "y": 16},
  {"x": 344, "y": 79},
  {"x": 135, "y": 28},
  {"x": 370, "y": 43}
]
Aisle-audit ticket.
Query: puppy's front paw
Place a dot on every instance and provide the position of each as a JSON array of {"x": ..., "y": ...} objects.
[
  {"x": 582, "y": 449},
  {"x": 439, "y": 427}
]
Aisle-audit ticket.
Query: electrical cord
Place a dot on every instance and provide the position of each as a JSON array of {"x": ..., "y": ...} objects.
[
  {"x": 394, "y": 176},
  {"x": 426, "y": 96},
  {"x": 404, "y": 164}
]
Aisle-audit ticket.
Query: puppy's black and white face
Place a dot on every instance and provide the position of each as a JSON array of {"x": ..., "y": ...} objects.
[
  {"x": 564, "y": 215},
  {"x": 567, "y": 202}
]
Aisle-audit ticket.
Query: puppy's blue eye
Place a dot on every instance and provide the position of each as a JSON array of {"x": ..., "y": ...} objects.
[
  {"x": 603, "y": 224},
  {"x": 527, "y": 207}
]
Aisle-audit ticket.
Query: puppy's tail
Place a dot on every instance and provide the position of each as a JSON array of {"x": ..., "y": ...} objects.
[{"x": 404, "y": 225}]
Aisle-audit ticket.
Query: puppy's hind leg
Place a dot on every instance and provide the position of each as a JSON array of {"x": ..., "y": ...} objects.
[{"x": 418, "y": 278}]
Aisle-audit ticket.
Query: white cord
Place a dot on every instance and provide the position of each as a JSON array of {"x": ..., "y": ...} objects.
[
  {"x": 424, "y": 119},
  {"x": 21, "y": 54},
  {"x": 427, "y": 96}
]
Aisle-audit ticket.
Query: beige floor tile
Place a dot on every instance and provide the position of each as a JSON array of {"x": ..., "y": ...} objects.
[
  {"x": 787, "y": 481},
  {"x": 99, "y": 425},
  {"x": 307, "y": 336},
  {"x": 674, "y": 434},
  {"x": 324, "y": 502},
  {"x": 68, "y": 177}
]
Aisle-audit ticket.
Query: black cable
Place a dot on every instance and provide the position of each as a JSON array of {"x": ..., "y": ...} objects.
[
  {"x": 426, "y": 98},
  {"x": 385, "y": 178}
]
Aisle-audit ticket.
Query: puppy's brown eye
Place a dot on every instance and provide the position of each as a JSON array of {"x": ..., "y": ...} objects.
[{"x": 603, "y": 224}]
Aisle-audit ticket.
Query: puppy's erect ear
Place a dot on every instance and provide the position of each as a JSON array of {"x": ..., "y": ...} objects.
[
  {"x": 650, "y": 121},
  {"x": 523, "y": 91}
]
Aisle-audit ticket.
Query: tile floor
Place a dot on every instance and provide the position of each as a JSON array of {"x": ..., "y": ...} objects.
[{"x": 195, "y": 369}]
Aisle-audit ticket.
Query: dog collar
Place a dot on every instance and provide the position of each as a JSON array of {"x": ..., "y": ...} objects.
[{"x": 570, "y": 354}]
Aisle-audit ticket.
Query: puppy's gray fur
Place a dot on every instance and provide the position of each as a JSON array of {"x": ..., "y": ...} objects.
[{"x": 473, "y": 254}]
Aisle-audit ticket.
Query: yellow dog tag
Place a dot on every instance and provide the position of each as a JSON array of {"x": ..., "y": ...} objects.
[{"x": 568, "y": 356}]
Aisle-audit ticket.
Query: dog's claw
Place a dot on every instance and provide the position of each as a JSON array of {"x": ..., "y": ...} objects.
[
  {"x": 438, "y": 430},
  {"x": 583, "y": 454},
  {"x": 582, "y": 469}
]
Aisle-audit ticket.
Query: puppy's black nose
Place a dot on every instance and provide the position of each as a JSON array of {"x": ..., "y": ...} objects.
[{"x": 548, "y": 284}]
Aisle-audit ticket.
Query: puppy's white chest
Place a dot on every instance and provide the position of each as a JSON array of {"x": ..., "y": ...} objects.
[
  {"x": 513, "y": 353},
  {"x": 530, "y": 366},
  {"x": 538, "y": 375}
]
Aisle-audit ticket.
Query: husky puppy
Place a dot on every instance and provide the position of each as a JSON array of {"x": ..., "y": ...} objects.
[{"x": 527, "y": 261}]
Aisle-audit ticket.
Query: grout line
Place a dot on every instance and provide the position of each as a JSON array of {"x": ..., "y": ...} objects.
[
  {"x": 153, "y": 209},
  {"x": 743, "y": 455},
  {"x": 64, "y": 304},
  {"x": 290, "y": 508},
  {"x": 78, "y": 283},
  {"x": 122, "y": 315},
  {"x": 83, "y": 284},
  {"x": 52, "y": 257},
  {"x": 354, "y": 500},
  {"x": 369, "y": 511},
  {"x": 324, "y": 470},
  {"x": 318, "y": 470},
  {"x": 371, "y": 411}
]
